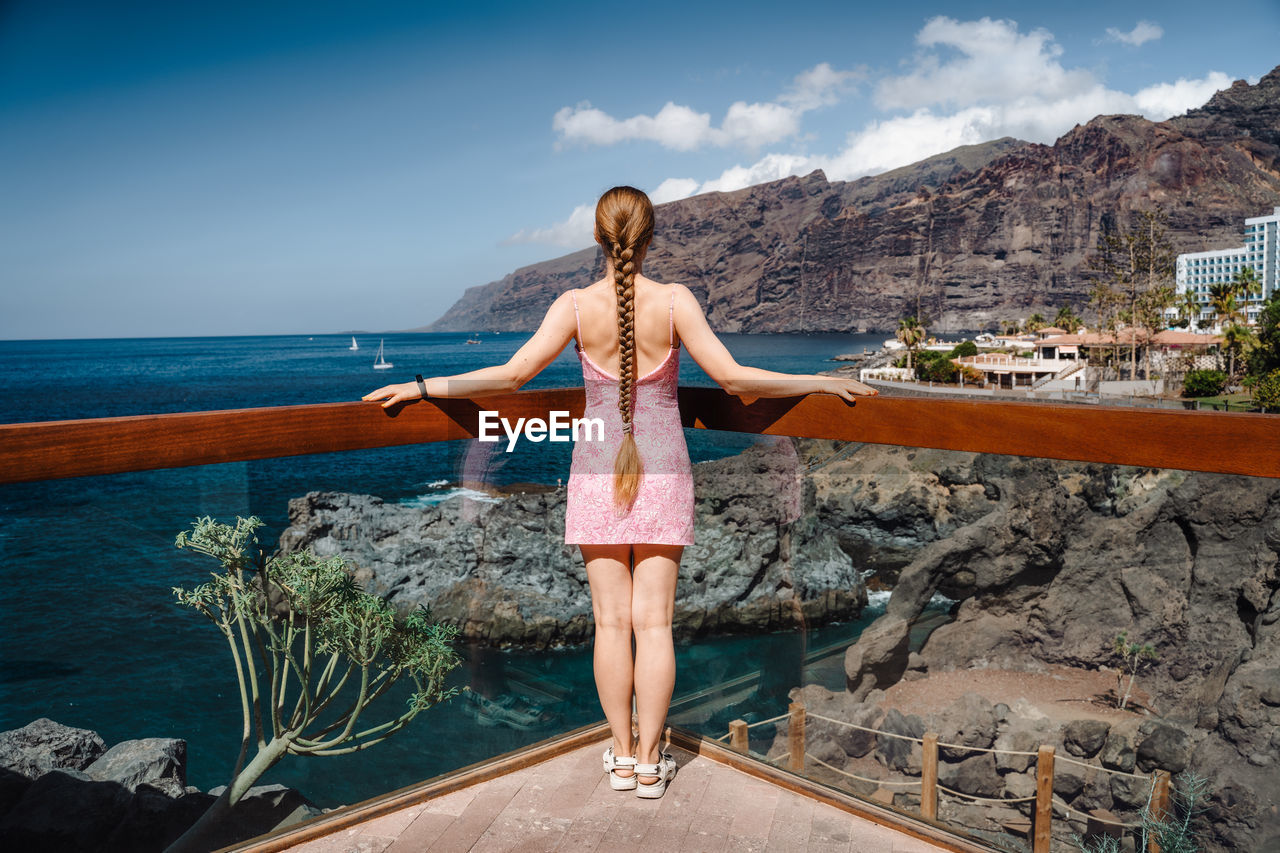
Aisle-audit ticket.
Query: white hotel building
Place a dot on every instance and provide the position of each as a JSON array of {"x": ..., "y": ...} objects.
[{"x": 1198, "y": 271}]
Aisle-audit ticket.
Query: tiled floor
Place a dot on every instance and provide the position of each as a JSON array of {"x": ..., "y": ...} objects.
[{"x": 566, "y": 804}]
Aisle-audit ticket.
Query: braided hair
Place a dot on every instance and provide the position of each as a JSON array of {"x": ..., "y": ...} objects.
[{"x": 624, "y": 227}]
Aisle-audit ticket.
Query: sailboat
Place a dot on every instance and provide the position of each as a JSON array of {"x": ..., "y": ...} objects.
[
  {"x": 354, "y": 346},
  {"x": 381, "y": 363}
]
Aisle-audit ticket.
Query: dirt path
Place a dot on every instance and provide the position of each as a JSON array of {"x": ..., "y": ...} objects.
[{"x": 1062, "y": 693}]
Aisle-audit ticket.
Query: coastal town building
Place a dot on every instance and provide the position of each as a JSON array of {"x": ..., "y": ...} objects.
[
  {"x": 1165, "y": 346},
  {"x": 1058, "y": 357},
  {"x": 1006, "y": 370},
  {"x": 1197, "y": 272}
]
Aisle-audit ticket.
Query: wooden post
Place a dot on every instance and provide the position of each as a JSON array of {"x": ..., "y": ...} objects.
[
  {"x": 929, "y": 777},
  {"x": 1040, "y": 836},
  {"x": 738, "y": 737},
  {"x": 795, "y": 732},
  {"x": 1159, "y": 805}
]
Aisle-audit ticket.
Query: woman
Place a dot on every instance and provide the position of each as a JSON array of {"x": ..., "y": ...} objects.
[{"x": 630, "y": 496}]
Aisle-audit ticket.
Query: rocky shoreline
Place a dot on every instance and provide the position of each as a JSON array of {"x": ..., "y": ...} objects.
[
  {"x": 501, "y": 572},
  {"x": 62, "y": 790}
]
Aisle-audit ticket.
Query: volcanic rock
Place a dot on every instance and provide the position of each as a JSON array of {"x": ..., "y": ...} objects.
[{"x": 502, "y": 573}]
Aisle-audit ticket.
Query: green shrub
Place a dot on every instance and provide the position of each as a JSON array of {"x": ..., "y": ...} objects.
[
  {"x": 331, "y": 630},
  {"x": 964, "y": 350},
  {"x": 936, "y": 370},
  {"x": 1179, "y": 830},
  {"x": 1203, "y": 383},
  {"x": 1266, "y": 391}
]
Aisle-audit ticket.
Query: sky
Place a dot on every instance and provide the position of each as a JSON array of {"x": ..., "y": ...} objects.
[{"x": 227, "y": 168}]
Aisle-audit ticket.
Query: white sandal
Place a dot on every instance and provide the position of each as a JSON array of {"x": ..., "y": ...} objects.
[
  {"x": 664, "y": 770},
  {"x": 613, "y": 762}
]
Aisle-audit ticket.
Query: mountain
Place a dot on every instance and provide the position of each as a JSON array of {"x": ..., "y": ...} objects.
[{"x": 970, "y": 237}]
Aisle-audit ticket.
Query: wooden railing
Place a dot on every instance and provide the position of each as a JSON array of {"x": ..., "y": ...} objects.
[{"x": 1229, "y": 443}]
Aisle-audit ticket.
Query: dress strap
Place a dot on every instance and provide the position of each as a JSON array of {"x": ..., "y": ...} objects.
[
  {"x": 671, "y": 320},
  {"x": 576, "y": 319}
]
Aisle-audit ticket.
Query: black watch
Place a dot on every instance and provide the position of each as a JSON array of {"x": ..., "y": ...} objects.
[{"x": 422, "y": 386}]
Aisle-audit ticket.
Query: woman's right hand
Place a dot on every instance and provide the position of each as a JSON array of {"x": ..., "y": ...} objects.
[{"x": 392, "y": 394}]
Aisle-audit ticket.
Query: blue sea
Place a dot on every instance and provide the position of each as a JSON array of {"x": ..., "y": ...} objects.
[{"x": 91, "y": 634}]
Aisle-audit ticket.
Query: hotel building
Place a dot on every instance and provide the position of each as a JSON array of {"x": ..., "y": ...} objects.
[{"x": 1198, "y": 271}]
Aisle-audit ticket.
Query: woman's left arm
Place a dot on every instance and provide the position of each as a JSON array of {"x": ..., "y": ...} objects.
[{"x": 540, "y": 350}]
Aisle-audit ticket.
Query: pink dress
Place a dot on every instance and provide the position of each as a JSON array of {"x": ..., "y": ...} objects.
[{"x": 663, "y": 510}]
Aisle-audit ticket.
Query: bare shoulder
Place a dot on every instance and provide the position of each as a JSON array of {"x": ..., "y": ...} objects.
[
  {"x": 684, "y": 298},
  {"x": 567, "y": 298}
]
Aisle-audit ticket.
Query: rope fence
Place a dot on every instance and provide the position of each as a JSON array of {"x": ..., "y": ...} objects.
[
  {"x": 999, "y": 801},
  {"x": 1045, "y": 806},
  {"x": 1143, "y": 776},
  {"x": 912, "y": 783},
  {"x": 1086, "y": 818}
]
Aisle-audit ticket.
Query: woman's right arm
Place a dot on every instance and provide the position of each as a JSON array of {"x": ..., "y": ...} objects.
[
  {"x": 741, "y": 380},
  {"x": 558, "y": 326}
]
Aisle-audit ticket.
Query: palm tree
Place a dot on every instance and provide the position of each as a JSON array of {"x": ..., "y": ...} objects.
[
  {"x": 1248, "y": 285},
  {"x": 1224, "y": 303},
  {"x": 911, "y": 333},
  {"x": 1189, "y": 309},
  {"x": 1035, "y": 322},
  {"x": 1066, "y": 319},
  {"x": 1240, "y": 339}
]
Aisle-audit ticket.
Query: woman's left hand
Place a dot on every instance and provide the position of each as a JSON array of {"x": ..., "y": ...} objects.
[
  {"x": 392, "y": 394},
  {"x": 849, "y": 389}
]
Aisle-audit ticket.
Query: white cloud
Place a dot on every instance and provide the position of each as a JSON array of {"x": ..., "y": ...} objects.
[
  {"x": 995, "y": 63},
  {"x": 1143, "y": 32},
  {"x": 576, "y": 232},
  {"x": 771, "y": 167},
  {"x": 673, "y": 127},
  {"x": 681, "y": 128},
  {"x": 820, "y": 86},
  {"x": 969, "y": 82},
  {"x": 673, "y": 189},
  {"x": 1164, "y": 100}
]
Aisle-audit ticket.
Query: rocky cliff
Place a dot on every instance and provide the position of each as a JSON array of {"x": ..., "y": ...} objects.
[
  {"x": 970, "y": 237},
  {"x": 1050, "y": 561}
]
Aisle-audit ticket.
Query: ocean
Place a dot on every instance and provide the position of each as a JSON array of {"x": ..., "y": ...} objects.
[{"x": 93, "y": 638}]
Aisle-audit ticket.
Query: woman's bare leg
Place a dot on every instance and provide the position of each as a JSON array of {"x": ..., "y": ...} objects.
[
  {"x": 609, "y": 573},
  {"x": 653, "y": 596}
]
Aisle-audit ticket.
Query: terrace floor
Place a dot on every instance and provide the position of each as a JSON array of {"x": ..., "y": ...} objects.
[{"x": 565, "y": 803}]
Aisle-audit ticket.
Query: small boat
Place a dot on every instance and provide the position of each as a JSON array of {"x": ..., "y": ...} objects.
[
  {"x": 381, "y": 363},
  {"x": 472, "y": 341},
  {"x": 354, "y": 346}
]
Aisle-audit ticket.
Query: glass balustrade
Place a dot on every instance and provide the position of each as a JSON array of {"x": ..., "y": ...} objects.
[{"x": 906, "y": 625}]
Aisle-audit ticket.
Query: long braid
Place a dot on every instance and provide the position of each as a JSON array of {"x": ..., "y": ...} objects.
[
  {"x": 627, "y": 467},
  {"x": 624, "y": 223}
]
